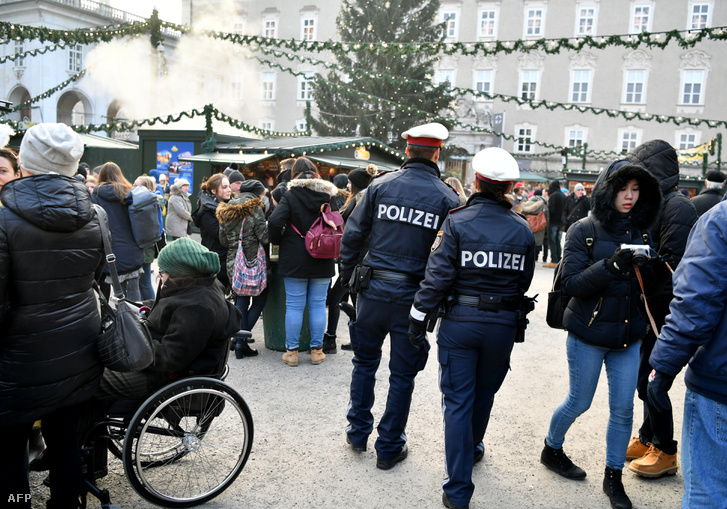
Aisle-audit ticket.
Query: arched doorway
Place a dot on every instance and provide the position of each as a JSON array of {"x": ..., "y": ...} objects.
[
  {"x": 20, "y": 95},
  {"x": 74, "y": 108}
]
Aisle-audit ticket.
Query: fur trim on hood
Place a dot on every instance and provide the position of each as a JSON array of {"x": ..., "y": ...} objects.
[
  {"x": 610, "y": 182},
  {"x": 175, "y": 191},
  {"x": 227, "y": 212},
  {"x": 660, "y": 158},
  {"x": 318, "y": 185}
]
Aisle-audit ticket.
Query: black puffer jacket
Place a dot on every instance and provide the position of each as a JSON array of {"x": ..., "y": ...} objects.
[
  {"x": 300, "y": 206},
  {"x": 707, "y": 199},
  {"x": 50, "y": 252},
  {"x": 606, "y": 309},
  {"x": 129, "y": 256},
  {"x": 556, "y": 204},
  {"x": 209, "y": 227},
  {"x": 190, "y": 324}
]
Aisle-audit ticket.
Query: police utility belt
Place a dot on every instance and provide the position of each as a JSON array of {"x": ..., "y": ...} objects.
[
  {"x": 493, "y": 303},
  {"x": 363, "y": 274}
]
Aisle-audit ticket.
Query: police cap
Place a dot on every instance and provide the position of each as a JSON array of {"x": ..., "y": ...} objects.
[
  {"x": 427, "y": 135},
  {"x": 496, "y": 165}
]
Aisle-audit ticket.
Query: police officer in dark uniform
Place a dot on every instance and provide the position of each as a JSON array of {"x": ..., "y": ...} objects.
[
  {"x": 399, "y": 215},
  {"x": 482, "y": 263}
]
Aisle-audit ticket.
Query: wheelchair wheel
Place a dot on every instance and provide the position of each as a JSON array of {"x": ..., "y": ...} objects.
[{"x": 188, "y": 442}]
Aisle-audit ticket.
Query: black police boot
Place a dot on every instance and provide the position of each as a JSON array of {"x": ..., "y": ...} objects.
[
  {"x": 242, "y": 349},
  {"x": 329, "y": 343},
  {"x": 614, "y": 488},
  {"x": 558, "y": 462}
]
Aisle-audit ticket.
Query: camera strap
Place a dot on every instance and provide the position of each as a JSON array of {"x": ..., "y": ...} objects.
[{"x": 646, "y": 301}]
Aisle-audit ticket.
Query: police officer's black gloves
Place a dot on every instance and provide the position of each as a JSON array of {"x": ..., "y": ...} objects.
[
  {"x": 620, "y": 261},
  {"x": 418, "y": 333},
  {"x": 658, "y": 390}
]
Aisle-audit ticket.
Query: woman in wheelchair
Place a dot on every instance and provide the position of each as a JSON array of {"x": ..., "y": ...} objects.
[{"x": 190, "y": 321}]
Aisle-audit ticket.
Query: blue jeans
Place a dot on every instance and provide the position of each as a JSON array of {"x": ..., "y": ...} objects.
[
  {"x": 298, "y": 293},
  {"x": 584, "y": 370},
  {"x": 251, "y": 311},
  {"x": 554, "y": 234},
  {"x": 145, "y": 287},
  {"x": 704, "y": 448}
]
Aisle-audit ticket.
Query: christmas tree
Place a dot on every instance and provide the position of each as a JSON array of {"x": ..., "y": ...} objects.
[{"x": 343, "y": 112}]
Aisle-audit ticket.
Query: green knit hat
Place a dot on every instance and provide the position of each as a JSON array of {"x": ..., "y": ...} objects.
[{"x": 187, "y": 258}]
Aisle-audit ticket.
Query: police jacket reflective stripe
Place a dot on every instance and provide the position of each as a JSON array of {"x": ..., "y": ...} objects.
[
  {"x": 484, "y": 249},
  {"x": 400, "y": 214}
]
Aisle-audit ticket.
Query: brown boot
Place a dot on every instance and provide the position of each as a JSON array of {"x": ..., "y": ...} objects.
[
  {"x": 317, "y": 356},
  {"x": 655, "y": 464},
  {"x": 291, "y": 358},
  {"x": 636, "y": 449}
]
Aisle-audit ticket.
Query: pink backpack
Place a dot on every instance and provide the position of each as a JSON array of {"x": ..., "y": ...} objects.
[{"x": 323, "y": 238}]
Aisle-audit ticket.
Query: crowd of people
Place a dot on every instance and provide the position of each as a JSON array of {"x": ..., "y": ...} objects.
[{"x": 414, "y": 250}]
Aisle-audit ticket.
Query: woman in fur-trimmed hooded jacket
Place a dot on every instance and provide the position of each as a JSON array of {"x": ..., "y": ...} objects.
[
  {"x": 247, "y": 206},
  {"x": 605, "y": 318},
  {"x": 306, "y": 278}
]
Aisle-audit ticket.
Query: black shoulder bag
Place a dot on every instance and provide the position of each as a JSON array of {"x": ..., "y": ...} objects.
[{"x": 125, "y": 341}]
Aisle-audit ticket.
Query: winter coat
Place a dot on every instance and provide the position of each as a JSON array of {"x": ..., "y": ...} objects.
[
  {"x": 50, "y": 251},
  {"x": 230, "y": 216},
  {"x": 576, "y": 209},
  {"x": 340, "y": 198},
  {"x": 129, "y": 256},
  {"x": 696, "y": 328},
  {"x": 190, "y": 324},
  {"x": 300, "y": 206},
  {"x": 671, "y": 228},
  {"x": 606, "y": 309},
  {"x": 533, "y": 207},
  {"x": 179, "y": 213},
  {"x": 707, "y": 199},
  {"x": 206, "y": 219},
  {"x": 556, "y": 205}
]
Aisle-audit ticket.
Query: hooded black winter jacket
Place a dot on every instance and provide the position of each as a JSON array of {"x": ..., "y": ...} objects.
[
  {"x": 50, "y": 252},
  {"x": 129, "y": 256},
  {"x": 606, "y": 309}
]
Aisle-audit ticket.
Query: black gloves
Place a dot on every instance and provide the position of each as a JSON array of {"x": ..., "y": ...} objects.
[
  {"x": 418, "y": 333},
  {"x": 658, "y": 390},
  {"x": 620, "y": 261}
]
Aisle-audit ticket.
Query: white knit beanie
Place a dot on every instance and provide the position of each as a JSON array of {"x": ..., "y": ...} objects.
[{"x": 50, "y": 148}]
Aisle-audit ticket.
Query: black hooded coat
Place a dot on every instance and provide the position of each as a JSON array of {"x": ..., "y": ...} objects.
[{"x": 605, "y": 308}]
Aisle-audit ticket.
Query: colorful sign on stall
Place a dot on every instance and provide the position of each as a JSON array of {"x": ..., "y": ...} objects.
[{"x": 168, "y": 154}]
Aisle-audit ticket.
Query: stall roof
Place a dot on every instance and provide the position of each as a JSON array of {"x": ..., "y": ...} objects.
[
  {"x": 350, "y": 163},
  {"x": 93, "y": 140},
  {"x": 227, "y": 158},
  {"x": 531, "y": 177}
]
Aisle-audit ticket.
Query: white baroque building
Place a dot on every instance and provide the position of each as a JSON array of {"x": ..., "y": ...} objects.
[{"x": 675, "y": 81}]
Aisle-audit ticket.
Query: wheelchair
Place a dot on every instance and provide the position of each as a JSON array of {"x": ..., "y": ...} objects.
[{"x": 182, "y": 446}]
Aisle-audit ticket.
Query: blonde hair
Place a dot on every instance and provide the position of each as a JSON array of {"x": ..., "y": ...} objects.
[{"x": 456, "y": 184}]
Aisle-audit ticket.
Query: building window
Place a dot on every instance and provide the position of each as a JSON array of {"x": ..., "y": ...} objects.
[
  {"x": 483, "y": 83},
  {"x": 524, "y": 139},
  {"x": 268, "y": 125},
  {"x": 534, "y": 22},
  {"x": 270, "y": 28},
  {"x": 687, "y": 140},
  {"x": 19, "y": 48},
  {"x": 641, "y": 19},
  {"x": 692, "y": 89},
  {"x": 635, "y": 81},
  {"x": 449, "y": 18},
  {"x": 308, "y": 29},
  {"x": 529, "y": 84},
  {"x": 236, "y": 87},
  {"x": 305, "y": 87},
  {"x": 268, "y": 79},
  {"x": 586, "y": 21},
  {"x": 576, "y": 138},
  {"x": 238, "y": 27},
  {"x": 581, "y": 87},
  {"x": 445, "y": 77},
  {"x": 699, "y": 16},
  {"x": 301, "y": 126},
  {"x": 488, "y": 23},
  {"x": 75, "y": 58},
  {"x": 629, "y": 141}
]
